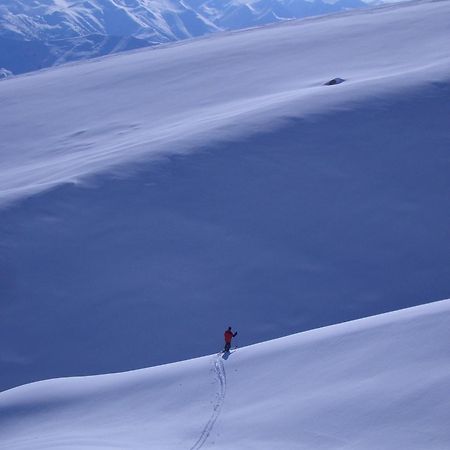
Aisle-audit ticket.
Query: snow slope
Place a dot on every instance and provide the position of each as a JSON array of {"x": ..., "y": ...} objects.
[
  {"x": 288, "y": 206},
  {"x": 376, "y": 383},
  {"x": 22, "y": 55},
  {"x": 82, "y": 118}
]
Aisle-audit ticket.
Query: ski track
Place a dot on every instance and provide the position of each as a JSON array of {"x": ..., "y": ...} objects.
[{"x": 219, "y": 369}]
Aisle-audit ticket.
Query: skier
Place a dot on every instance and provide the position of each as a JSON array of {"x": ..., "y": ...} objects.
[{"x": 228, "y": 335}]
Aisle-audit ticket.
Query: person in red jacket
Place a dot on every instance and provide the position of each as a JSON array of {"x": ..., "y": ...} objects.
[{"x": 228, "y": 335}]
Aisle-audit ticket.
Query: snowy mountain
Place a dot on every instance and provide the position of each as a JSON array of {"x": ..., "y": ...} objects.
[
  {"x": 377, "y": 383},
  {"x": 47, "y": 32},
  {"x": 151, "y": 198},
  {"x": 163, "y": 20},
  {"x": 159, "y": 21}
]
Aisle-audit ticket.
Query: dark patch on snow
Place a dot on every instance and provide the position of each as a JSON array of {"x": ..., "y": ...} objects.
[{"x": 334, "y": 81}]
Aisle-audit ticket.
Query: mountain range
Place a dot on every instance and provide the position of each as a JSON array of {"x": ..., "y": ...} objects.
[{"x": 43, "y": 33}]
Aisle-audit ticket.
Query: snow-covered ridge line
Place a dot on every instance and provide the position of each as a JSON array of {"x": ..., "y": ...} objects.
[
  {"x": 354, "y": 326},
  {"x": 239, "y": 31},
  {"x": 84, "y": 118},
  {"x": 314, "y": 335},
  {"x": 379, "y": 382}
]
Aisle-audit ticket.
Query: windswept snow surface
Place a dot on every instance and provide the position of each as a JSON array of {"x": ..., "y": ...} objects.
[
  {"x": 376, "y": 383},
  {"x": 77, "y": 120},
  {"x": 224, "y": 184}
]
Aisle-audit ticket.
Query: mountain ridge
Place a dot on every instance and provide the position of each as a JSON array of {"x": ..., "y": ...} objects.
[{"x": 49, "y": 33}]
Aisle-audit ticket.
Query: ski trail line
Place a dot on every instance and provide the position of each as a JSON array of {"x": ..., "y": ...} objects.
[{"x": 219, "y": 370}]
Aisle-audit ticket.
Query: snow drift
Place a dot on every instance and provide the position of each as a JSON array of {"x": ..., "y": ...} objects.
[{"x": 381, "y": 382}]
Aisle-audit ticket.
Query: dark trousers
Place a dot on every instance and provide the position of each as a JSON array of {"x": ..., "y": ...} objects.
[{"x": 227, "y": 347}]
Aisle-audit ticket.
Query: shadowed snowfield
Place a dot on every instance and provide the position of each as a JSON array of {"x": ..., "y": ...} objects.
[{"x": 376, "y": 383}]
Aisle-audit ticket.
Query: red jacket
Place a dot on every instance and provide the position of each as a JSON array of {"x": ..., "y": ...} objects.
[{"x": 228, "y": 335}]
